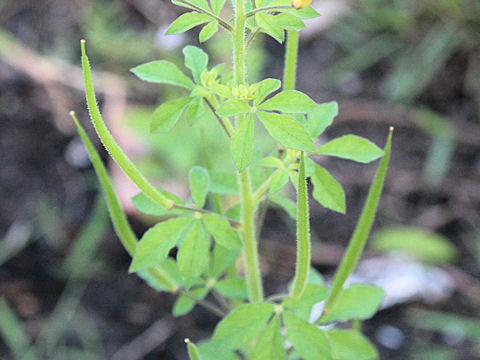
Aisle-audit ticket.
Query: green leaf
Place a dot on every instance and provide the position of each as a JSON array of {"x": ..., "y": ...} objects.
[
  {"x": 271, "y": 26},
  {"x": 312, "y": 295},
  {"x": 199, "y": 184},
  {"x": 184, "y": 304},
  {"x": 233, "y": 107},
  {"x": 163, "y": 72},
  {"x": 305, "y": 13},
  {"x": 243, "y": 143},
  {"x": 193, "y": 254},
  {"x": 272, "y": 162},
  {"x": 270, "y": 344},
  {"x": 186, "y": 22},
  {"x": 147, "y": 206},
  {"x": 208, "y": 31},
  {"x": 290, "y": 22},
  {"x": 217, "y": 5},
  {"x": 309, "y": 341},
  {"x": 265, "y": 88},
  {"x": 223, "y": 183},
  {"x": 195, "y": 110},
  {"x": 289, "y": 132},
  {"x": 196, "y": 60},
  {"x": 351, "y": 147},
  {"x": 286, "y": 204},
  {"x": 166, "y": 115},
  {"x": 201, "y": 3},
  {"x": 233, "y": 288},
  {"x": 221, "y": 260},
  {"x": 347, "y": 345},
  {"x": 157, "y": 242},
  {"x": 279, "y": 180},
  {"x": 362, "y": 230},
  {"x": 356, "y": 302},
  {"x": 328, "y": 191},
  {"x": 290, "y": 101},
  {"x": 241, "y": 326},
  {"x": 321, "y": 118},
  {"x": 221, "y": 231},
  {"x": 418, "y": 243},
  {"x": 210, "y": 351}
]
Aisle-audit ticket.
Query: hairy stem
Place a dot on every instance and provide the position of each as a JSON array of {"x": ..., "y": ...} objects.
[
  {"x": 111, "y": 145},
  {"x": 252, "y": 266},
  {"x": 362, "y": 230},
  {"x": 290, "y": 67},
  {"x": 303, "y": 234}
]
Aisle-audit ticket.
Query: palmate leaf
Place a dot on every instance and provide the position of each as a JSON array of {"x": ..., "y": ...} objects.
[
  {"x": 156, "y": 243},
  {"x": 166, "y": 115},
  {"x": 328, "y": 191},
  {"x": 233, "y": 288},
  {"x": 308, "y": 340},
  {"x": 290, "y": 22},
  {"x": 233, "y": 107},
  {"x": 199, "y": 185},
  {"x": 184, "y": 304},
  {"x": 196, "y": 60},
  {"x": 265, "y": 88},
  {"x": 221, "y": 259},
  {"x": 356, "y": 302},
  {"x": 347, "y": 345},
  {"x": 221, "y": 231},
  {"x": 321, "y": 118},
  {"x": 351, "y": 147},
  {"x": 289, "y": 132},
  {"x": 270, "y": 344},
  {"x": 208, "y": 31},
  {"x": 241, "y": 326},
  {"x": 243, "y": 142},
  {"x": 193, "y": 254},
  {"x": 163, "y": 72},
  {"x": 290, "y": 101},
  {"x": 187, "y": 21},
  {"x": 271, "y": 26}
]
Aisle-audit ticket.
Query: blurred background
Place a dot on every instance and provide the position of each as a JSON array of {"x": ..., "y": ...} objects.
[{"x": 414, "y": 64}]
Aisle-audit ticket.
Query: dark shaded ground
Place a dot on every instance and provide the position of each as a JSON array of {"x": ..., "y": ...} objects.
[{"x": 53, "y": 195}]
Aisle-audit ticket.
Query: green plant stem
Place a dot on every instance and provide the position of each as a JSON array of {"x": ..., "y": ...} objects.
[
  {"x": 111, "y": 145},
  {"x": 212, "y": 308},
  {"x": 224, "y": 122},
  {"x": 266, "y": 8},
  {"x": 303, "y": 234},
  {"x": 233, "y": 222},
  {"x": 362, "y": 230},
  {"x": 291, "y": 54},
  {"x": 252, "y": 266},
  {"x": 222, "y": 22},
  {"x": 119, "y": 219}
]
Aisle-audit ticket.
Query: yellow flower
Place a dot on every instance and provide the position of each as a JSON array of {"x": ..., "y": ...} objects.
[{"x": 300, "y": 4}]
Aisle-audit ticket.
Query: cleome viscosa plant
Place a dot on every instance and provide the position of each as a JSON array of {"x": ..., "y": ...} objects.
[{"x": 217, "y": 244}]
